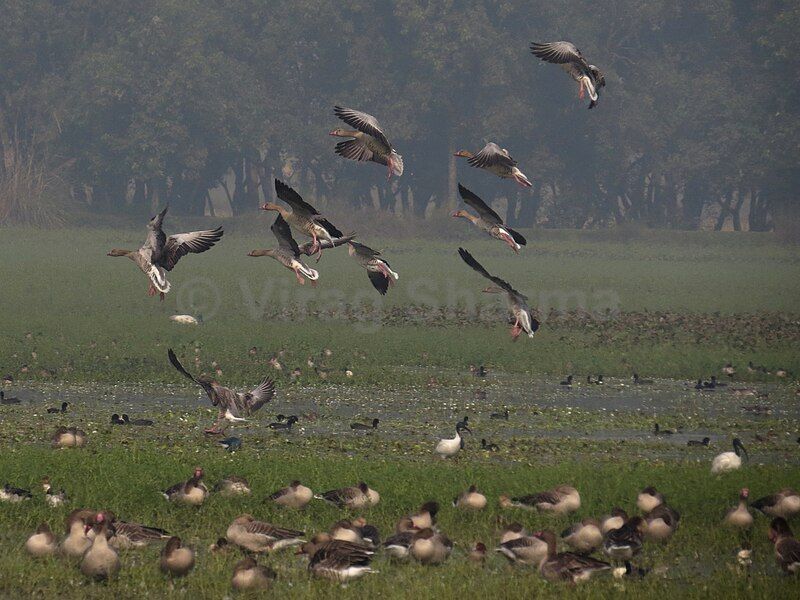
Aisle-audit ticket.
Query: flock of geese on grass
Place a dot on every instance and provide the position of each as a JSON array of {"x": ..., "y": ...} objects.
[{"x": 345, "y": 551}]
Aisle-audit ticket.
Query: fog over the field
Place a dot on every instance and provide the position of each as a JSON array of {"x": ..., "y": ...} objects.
[{"x": 119, "y": 107}]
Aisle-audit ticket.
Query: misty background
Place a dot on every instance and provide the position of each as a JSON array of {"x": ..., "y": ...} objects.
[{"x": 113, "y": 109}]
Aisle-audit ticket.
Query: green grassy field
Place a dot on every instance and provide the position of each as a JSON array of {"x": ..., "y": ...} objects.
[{"x": 84, "y": 316}]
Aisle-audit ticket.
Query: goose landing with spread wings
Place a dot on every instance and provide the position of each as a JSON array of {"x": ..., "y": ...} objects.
[
  {"x": 233, "y": 406},
  {"x": 567, "y": 56},
  {"x": 488, "y": 220},
  {"x": 517, "y": 303},
  {"x": 161, "y": 253},
  {"x": 288, "y": 252},
  {"x": 369, "y": 142},
  {"x": 497, "y": 161}
]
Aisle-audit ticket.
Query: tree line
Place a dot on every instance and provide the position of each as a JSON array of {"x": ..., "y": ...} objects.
[{"x": 125, "y": 106}]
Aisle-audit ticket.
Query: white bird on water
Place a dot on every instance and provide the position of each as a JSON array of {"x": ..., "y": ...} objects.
[{"x": 729, "y": 461}]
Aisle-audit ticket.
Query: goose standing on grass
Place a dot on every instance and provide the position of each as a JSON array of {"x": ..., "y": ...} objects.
[
  {"x": 497, "y": 161},
  {"x": 449, "y": 447},
  {"x": 337, "y": 560},
  {"x": 488, "y": 220},
  {"x": 303, "y": 217},
  {"x": 369, "y": 142},
  {"x": 517, "y": 303},
  {"x": 42, "y": 542},
  {"x": 192, "y": 491},
  {"x": 739, "y": 516},
  {"x": 729, "y": 461},
  {"x": 295, "y": 495},
  {"x": 160, "y": 253},
  {"x": 787, "y": 548},
  {"x": 378, "y": 270},
  {"x": 287, "y": 253},
  {"x": 566, "y": 566},
  {"x": 100, "y": 561},
  {"x": 257, "y": 536},
  {"x": 567, "y": 56},
  {"x": 232, "y": 405},
  {"x": 359, "y": 496},
  {"x": 176, "y": 559},
  {"x": 784, "y": 503},
  {"x": 249, "y": 575}
]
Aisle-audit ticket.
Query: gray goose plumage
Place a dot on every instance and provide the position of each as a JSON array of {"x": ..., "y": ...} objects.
[
  {"x": 233, "y": 406},
  {"x": 368, "y": 143},
  {"x": 160, "y": 253},
  {"x": 517, "y": 303},
  {"x": 288, "y": 252},
  {"x": 567, "y": 56},
  {"x": 497, "y": 161},
  {"x": 378, "y": 270},
  {"x": 488, "y": 220}
]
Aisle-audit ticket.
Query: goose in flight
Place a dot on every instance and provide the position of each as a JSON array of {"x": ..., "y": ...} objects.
[
  {"x": 496, "y": 160},
  {"x": 288, "y": 253},
  {"x": 368, "y": 143},
  {"x": 517, "y": 303},
  {"x": 233, "y": 406},
  {"x": 488, "y": 220},
  {"x": 378, "y": 270},
  {"x": 303, "y": 217},
  {"x": 161, "y": 253},
  {"x": 567, "y": 56}
]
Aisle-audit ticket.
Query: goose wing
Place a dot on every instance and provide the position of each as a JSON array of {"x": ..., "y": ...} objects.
[
  {"x": 194, "y": 242},
  {"x": 470, "y": 260},
  {"x": 260, "y": 395},
  {"x": 325, "y": 244},
  {"x": 179, "y": 367},
  {"x": 281, "y": 230},
  {"x": 486, "y": 213},
  {"x": 571, "y": 565},
  {"x": 558, "y": 53},
  {"x": 492, "y": 155},
  {"x": 789, "y": 550},
  {"x": 272, "y": 531},
  {"x": 362, "y": 121},
  {"x": 363, "y": 250},
  {"x": 293, "y": 199},
  {"x": 379, "y": 281}
]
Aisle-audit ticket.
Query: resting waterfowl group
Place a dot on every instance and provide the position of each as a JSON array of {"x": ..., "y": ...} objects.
[
  {"x": 233, "y": 406},
  {"x": 258, "y": 536},
  {"x": 517, "y": 303},
  {"x": 287, "y": 252},
  {"x": 368, "y": 143},
  {"x": 729, "y": 461},
  {"x": 488, "y": 220},
  {"x": 295, "y": 495},
  {"x": 159, "y": 253},
  {"x": 192, "y": 491},
  {"x": 378, "y": 270},
  {"x": 497, "y": 161},
  {"x": 567, "y": 56}
]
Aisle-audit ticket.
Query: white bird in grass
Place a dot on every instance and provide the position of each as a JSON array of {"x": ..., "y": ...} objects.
[
  {"x": 449, "y": 447},
  {"x": 729, "y": 461},
  {"x": 184, "y": 319}
]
